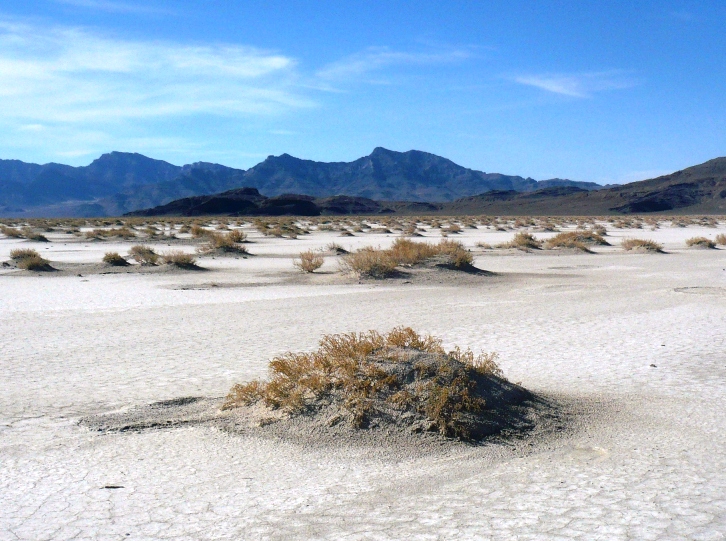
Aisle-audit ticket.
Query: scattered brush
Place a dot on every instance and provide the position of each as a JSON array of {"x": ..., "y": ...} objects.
[
  {"x": 484, "y": 245},
  {"x": 700, "y": 242},
  {"x": 309, "y": 261},
  {"x": 29, "y": 259},
  {"x": 144, "y": 255},
  {"x": 523, "y": 241},
  {"x": 114, "y": 259},
  {"x": 399, "y": 379},
  {"x": 179, "y": 259},
  {"x": 720, "y": 239},
  {"x": 642, "y": 245}
]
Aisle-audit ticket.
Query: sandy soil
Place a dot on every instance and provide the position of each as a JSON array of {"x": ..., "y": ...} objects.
[{"x": 633, "y": 342}]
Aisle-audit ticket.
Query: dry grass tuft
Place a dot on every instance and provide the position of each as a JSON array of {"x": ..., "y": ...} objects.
[
  {"x": 144, "y": 255},
  {"x": 365, "y": 374},
  {"x": 700, "y": 242},
  {"x": 179, "y": 259},
  {"x": 29, "y": 259},
  {"x": 720, "y": 239},
  {"x": 642, "y": 244},
  {"x": 114, "y": 259},
  {"x": 229, "y": 242},
  {"x": 578, "y": 240},
  {"x": 378, "y": 263},
  {"x": 12, "y": 232},
  {"x": 523, "y": 241},
  {"x": 309, "y": 261}
]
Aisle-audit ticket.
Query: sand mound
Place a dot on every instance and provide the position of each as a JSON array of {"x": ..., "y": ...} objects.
[{"x": 399, "y": 380}]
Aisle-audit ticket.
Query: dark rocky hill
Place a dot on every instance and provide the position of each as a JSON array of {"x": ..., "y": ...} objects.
[{"x": 697, "y": 190}]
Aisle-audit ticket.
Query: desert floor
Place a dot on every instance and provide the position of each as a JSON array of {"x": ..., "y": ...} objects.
[{"x": 640, "y": 339}]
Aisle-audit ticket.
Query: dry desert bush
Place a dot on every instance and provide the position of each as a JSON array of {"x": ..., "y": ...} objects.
[
  {"x": 523, "y": 241},
  {"x": 642, "y": 244},
  {"x": 700, "y": 242},
  {"x": 720, "y": 239},
  {"x": 12, "y": 232},
  {"x": 229, "y": 242},
  {"x": 114, "y": 259},
  {"x": 379, "y": 263},
  {"x": 335, "y": 248},
  {"x": 366, "y": 373},
  {"x": 179, "y": 259},
  {"x": 309, "y": 261},
  {"x": 576, "y": 239},
  {"x": 122, "y": 232},
  {"x": 29, "y": 259},
  {"x": 144, "y": 255}
]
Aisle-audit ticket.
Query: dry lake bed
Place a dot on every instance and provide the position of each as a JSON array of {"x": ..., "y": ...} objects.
[{"x": 634, "y": 342}]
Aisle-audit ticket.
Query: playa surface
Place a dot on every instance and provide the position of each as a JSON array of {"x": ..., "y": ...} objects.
[{"x": 635, "y": 343}]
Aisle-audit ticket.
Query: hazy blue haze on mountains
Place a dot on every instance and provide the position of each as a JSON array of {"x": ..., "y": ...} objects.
[{"x": 121, "y": 182}]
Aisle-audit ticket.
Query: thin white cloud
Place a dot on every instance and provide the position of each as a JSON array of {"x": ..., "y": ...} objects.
[
  {"x": 375, "y": 59},
  {"x": 578, "y": 85},
  {"x": 71, "y": 75},
  {"x": 113, "y": 6}
]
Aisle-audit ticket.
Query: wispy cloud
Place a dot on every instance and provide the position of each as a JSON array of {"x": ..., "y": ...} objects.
[
  {"x": 71, "y": 75},
  {"x": 578, "y": 85},
  {"x": 375, "y": 59},
  {"x": 114, "y": 6}
]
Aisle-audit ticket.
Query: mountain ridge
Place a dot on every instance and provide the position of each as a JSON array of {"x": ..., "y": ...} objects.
[{"x": 120, "y": 182}]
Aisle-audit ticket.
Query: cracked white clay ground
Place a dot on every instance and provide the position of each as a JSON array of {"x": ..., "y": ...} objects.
[{"x": 650, "y": 466}]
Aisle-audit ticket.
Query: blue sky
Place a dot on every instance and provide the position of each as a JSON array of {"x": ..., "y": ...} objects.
[{"x": 607, "y": 91}]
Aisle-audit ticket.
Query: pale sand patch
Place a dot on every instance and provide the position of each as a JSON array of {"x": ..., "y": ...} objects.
[{"x": 646, "y": 462}]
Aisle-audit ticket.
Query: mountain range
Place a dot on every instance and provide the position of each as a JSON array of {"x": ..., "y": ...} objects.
[
  {"x": 118, "y": 182},
  {"x": 697, "y": 190}
]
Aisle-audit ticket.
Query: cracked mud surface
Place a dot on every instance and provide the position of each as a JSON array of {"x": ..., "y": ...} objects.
[{"x": 642, "y": 457}]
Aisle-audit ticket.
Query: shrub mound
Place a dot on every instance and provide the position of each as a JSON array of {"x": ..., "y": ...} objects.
[
  {"x": 523, "y": 241},
  {"x": 115, "y": 259},
  {"x": 229, "y": 243},
  {"x": 643, "y": 245},
  {"x": 144, "y": 255},
  {"x": 179, "y": 259},
  {"x": 578, "y": 240},
  {"x": 29, "y": 259},
  {"x": 378, "y": 263},
  {"x": 399, "y": 379},
  {"x": 700, "y": 242}
]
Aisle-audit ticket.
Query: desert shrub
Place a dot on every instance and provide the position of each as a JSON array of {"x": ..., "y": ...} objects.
[
  {"x": 700, "y": 242},
  {"x": 309, "y": 261},
  {"x": 336, "y": 248},
  {"x": 224, "y": 243},
  {"x": 35, "y": 263},
  {"x": 378, "y": 263},
  {"x": 144, "y": 255},
  {"x": 113, "y": 258},
  {"x": 179, "y": 259},
  {"x": 29, "y": 259},
  {"x": 369, "y": 262},
  {"x": 236, "y": 236},
  {"x": 720, "y": 239},
  {"x": 641, "y": 244},
  {"x": 198, "y": 231},
  {"x": 29, "y": 234},
  {"x": 523, "y": 241},
  {"x": 121, "y": 232},
  {"x": 484, "y": 245},
  {"x": 576, "y": 239},
  {"x": 23, "y": 253},
  {"x": 366, "y": 372},
  {"x": 12, "y": 232}
]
